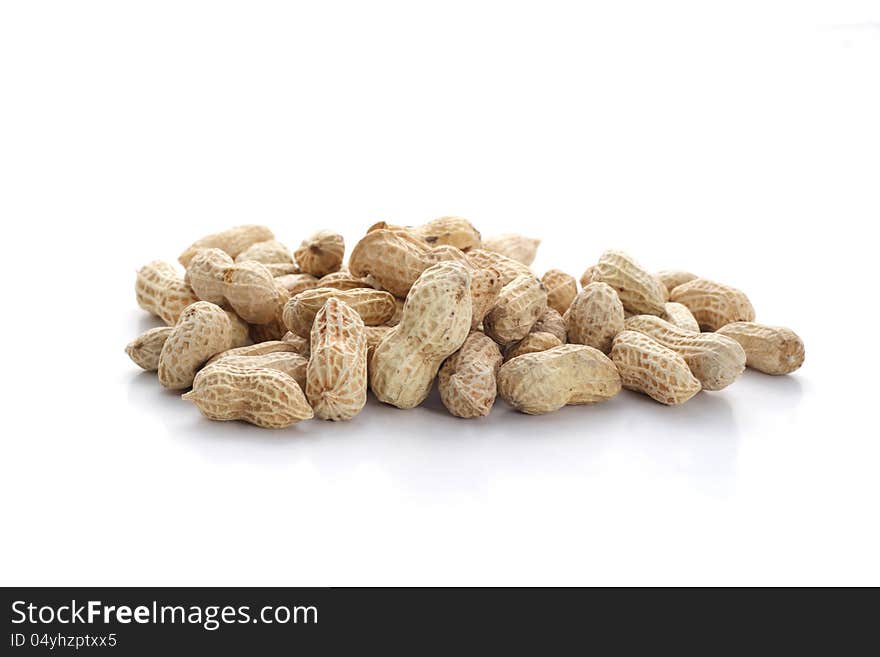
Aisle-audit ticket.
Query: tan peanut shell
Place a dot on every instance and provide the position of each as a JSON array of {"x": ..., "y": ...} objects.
[
  {"x": 519, "y": 305},
  {"x": 321, "y": 254},
  {"x": 203, "y": 330},
  {"x": 395, "y": 259},
  {"x": 679, "y": 315},
  {"x": 279, "y": 269},
  {"x": 301, "y": 344},
  {"x": 291, "y": 363},
  {"x": 247, "y": 287},
  {"x": 450, "y": 231},
  {"x": 713, "y": 304},
  {"x": 161, "y": 290},
  {"x": 594, "y": 317},
  {"x": 270, "y": 252},
  {"x": 374, "y": 336},
  {"x": 259, "y": 349},
  {"x": 587, "y": 276},
  {"x": 672, "y": 278},
  {"x": 551, "y": 322},
  {"x": 506, "y": 267},
  {"x": 398, "y": 312},
  {"x": 262, "y": 396},
  {"x": 374, "y": 307},
  {"x": 343, "y": 280},
  {"x": 561, "y": 289},
  {"x": 714, "y": 359},
  {"x": 640, "y": 291},
  {"x": 769, "y": 349},
  {"x": 545, "y": 381},
  {"x": 144, "y": 350},
  {"x": 466, "y": 379},
  {"x": 232, "y": 241},
  {"x": 336, "y": 379},
  {"x": 296, "y": 283},
  {"x": 436, "y": 320},
  {"x": 647, "y": 366},
  {"x": 485, "y": 288},
  {"x": 534, "y": 341},
  {"x": 516, "y": 247}
]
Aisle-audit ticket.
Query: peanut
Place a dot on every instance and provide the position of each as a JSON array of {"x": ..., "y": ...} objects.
[
  {"x": 545, "y": 381},
  {"x": 672, "y": 278},
  {"x": 451, "y": 231},
  {"x": 343, "y": 280},
  {"x": 506, "y": 267},
  {"x": 713, "y": 304},
  {"x": 594, "y": 317},
  {"x": 259, "y": 349},
  {"x": 203, "y": 330},
  {"x": 247, "y": 287},
  {"x": 321, "y": 253},
  {"x": 336, "y": 379},
  {"x": 232, "y": 241},
  {"x": 516, "y": 247},
  {"x": 262, "y": 396},
  {"x": 561, "y": 289},
  {"x": 296, "y": 283},
  {"x": 374, "y": 337},
  {"x": 551, "y": 322},
  {"x": 467, "y": 378},
  {"x": 534, "y": 341},
  {"x": 519, "y": 305},
  {"x": 374, "y": 307},
  {"x": 715, "y": 360},
  {"x": 300, "y": 344},
  {"x": 587, "y": 276},
  {"x": 436, "y": 320},
  {"x": 769, "y": 349},
  {"x": 639, "y": 291},
  {"x": 647, "y": 366},
  {"x": 144, "y": 350},
  {"x": 162, "y": 291},
  {"x": 679, "y": 315},
  {"x": 289, "y": 362},
  {"x": 270, "y": 252},
  {"x": 395, "y": 259}
]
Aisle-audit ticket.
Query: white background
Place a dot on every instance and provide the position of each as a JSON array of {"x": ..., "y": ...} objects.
[{"x": 737, "y": 140}]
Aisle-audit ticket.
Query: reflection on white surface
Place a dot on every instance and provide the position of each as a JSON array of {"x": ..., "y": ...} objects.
[{"x": 425, "y": 452}]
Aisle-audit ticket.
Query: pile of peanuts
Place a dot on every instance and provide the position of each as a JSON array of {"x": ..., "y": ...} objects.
[{"x": 260, "y": 333}]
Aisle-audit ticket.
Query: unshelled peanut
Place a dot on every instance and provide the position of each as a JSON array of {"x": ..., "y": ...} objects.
[
  {"x": 467, "y": 380},
  {"x": 516, "y": 247},
  {"x": 247, "y": 287},
  {"x": 321, "y": 254},
  {"x": 769, "y": 349},
  {"x": 640, "y": 291},
  {"x": 375, "y": 307},
  {"x": 436, "y": 320},
  {"x": 545, "y": 381},
  {"x": 519, "y": 305},
  {"x": 161, "y": 290},
  {"x": 145, "y": 349},
  {"x": 262, "y": 396},
  {"x": 336, "y": 379},
  {"x": 203, "y": 330},
  {"x": 551, "y": 322},
  {"x": 594, "y": 317},
  {"x": 714, "y": 359},
  {"x": 647, "y": 366},
  {"x": 561, "y": 289},
  {"x": 713, "y": 304},
  {"x": 534, "y": 341},
  {"x": 232, "y": 241},
  {"x": 679, "y": 315}
]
